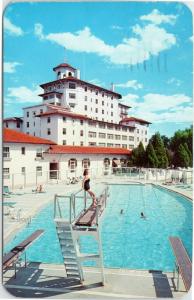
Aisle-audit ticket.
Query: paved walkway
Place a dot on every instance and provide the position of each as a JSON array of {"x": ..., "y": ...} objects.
[{"x": 42, "y": 280}]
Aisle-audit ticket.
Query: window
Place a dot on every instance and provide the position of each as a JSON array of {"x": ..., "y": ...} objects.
[
  {"x": 111, "y": 105},
  {"x": 64, "y": 142},
  {"x": 102, "y": 102},
  {"x": 81, "y": 133},
  {"x": 73, "y": 132},
  {"x": 34, "y": 133},
  {"x": 85, "y": 88},
  {"x": 6, "y": 174},
  {"x": 117, "y": 145},
  {"x": 96, "y": 92},
  {"x": 72, "y": 164},
  {"x": 23, "y": 149},
  {"x": 102, "y": 125},
  {"x": 109, "y": 126},
  {"x": 102, "y": 135},
  {"x": 6, "y": 153},
  {"x": 27, "y": 114},
  {"x": 48, "y": 120},
  {"x": 146, "y": 140},
  {"x": 145, "y": 132},
  {"x": 112, "y": 98},
  {"x": 131, "y": 146},
  {"x": 110, "y": 136},
  {"x": 92, "y": 134},
  {"x": 48, "y": 131},
  {"x": 41, "y": 111},
  {"x": 34, "y": 124},
  {"x": 34, "y": 113},
  {"x": 96, "y": 110},
  {"x": 124, "y": 129},
  {"x": 124, "y": 137},
  {"x": 72, "y": 95},
  {"x": 102, "y": 111},
  {"x": 137, "y": 130},
  {"x": 81, "y": 122},
  {"x": 86, "y": 98},
  {"x": 124, "y": 146},
  {"x": 117, "y": 137},
  {"x": 92, "y": 123},
  {"x": 72, "y": 85},
  {"x": 81, "y": 143},
  {"x": 39, "y": 171},
  {"x": 18, "y": 124},
  {"x": 85, "y": 163},
  {"x": 64, "y": 119},
  {"x": 23, "y": 170},
  {"x": 96, "y": 101},
  {"x": 85, "y": 107},
  {"x": 102, "y": 144},
  {"x": 69, "y": 74},
  {"x": 111, "y": 114},
  {"x": 102, "y": 94},
  {"x": 27, "y": 124},
  {"x": 6, "y": 124},
  {"x": 59, "y": 73},
  {"x": 39, "y": 152},
  {"x": 131, "y": 138},
  {"x": 106, "y": 163},
  {"x": 138, "y": 139},
  {"x": 64, "y": 131},
  {"x": 92, "y": 144},
  {"x": 109, "y": 145}
]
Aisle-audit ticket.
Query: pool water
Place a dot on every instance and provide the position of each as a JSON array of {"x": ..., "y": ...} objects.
[{"x": 128, "y": 241}]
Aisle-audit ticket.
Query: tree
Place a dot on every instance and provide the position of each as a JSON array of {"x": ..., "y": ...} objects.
[
  {"x": 151, "y": 158},
  {"x": 181, "y": 157},
  {"x": 160, "y": 150},
  {"x": 138, "y": 156},
  {"x": 166, "y": 141},
  {"x": 189, "y": 154}
]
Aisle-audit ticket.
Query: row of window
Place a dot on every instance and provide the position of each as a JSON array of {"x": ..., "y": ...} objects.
[
  {"x": 33, "y": 113},
  {"x": 6, "y": 152},
  {"x": 109, "y": 136},
  {"x": 97, "y": 111},
  {"x": 96, "y": 101}
]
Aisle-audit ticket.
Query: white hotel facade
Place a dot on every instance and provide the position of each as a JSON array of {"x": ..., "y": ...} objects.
[{"x": 76, "y": 115}]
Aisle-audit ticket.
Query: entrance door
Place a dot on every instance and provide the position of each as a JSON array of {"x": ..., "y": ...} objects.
[{"x": 54, "y": 170}]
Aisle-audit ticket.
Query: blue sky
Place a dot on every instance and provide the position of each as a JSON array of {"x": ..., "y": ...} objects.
[{"x": 144, "y": 48}]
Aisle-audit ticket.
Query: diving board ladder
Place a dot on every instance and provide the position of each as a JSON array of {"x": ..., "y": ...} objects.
[{"x": 86, "y": 223}]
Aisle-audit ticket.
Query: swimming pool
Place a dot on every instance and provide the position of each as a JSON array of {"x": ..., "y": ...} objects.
[{"x": 128, "y": 241}]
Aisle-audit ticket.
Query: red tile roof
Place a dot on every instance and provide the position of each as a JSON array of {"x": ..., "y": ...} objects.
[
  {"x": 14, "y": 119},
  {"x": 67, "y": 79},
  {"x": 13, "y": 136},
  {"x": 133, "y": 119},
  {"x": 58, "y": 149},
  {"x": 63, "y": 113},
  {"x": 63, "y": 66}
]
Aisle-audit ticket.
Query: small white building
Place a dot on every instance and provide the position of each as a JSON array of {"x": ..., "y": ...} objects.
[
  {"x": 76, "y": 112},
  {"x": 30, "y": 160}
]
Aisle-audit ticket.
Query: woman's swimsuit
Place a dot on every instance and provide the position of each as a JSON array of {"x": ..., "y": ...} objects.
[{"x": 87, "y": 185}]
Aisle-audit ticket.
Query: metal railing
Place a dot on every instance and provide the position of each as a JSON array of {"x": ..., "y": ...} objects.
[{"x": 72, "y": 212}]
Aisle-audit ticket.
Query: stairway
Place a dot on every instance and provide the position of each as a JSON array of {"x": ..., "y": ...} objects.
[{"x": 68, "y": 250}]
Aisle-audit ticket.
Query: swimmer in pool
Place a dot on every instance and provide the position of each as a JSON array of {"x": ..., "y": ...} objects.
[
  {"x": 121, "y": 212},
  {"x": 143, "y": 216}
]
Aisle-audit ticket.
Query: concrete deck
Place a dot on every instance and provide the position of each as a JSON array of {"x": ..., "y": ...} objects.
[{"x": 43, "y": 280}]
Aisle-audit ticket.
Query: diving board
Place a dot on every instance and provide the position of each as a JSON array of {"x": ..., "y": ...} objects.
[
  {"x": 183, "y": 262},
  {"x": 13, "y": 255},
  {"x": 89, "y": 216}
]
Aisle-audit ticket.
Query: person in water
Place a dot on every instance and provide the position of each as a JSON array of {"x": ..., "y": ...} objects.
[
  {"x": 143, "y": 216},
  {"x": 86, "y": 186}
]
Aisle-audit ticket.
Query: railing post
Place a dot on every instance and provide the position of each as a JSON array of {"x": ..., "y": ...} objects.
[{"x": 85, "y": 200}]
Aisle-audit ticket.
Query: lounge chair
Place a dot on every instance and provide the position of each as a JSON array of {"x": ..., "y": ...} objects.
[
  {"x": 12, "y": 257},
  {"x": 6, "y": 191}
]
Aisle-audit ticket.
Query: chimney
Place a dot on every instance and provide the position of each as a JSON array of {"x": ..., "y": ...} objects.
[{"x": 112, "y": 87}]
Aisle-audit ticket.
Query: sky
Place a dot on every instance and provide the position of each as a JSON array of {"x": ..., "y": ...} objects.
[{"x": 144, "y": 48}]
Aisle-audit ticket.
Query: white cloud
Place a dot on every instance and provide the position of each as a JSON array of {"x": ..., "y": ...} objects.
[
  {"x": 11, "y": 28},
  {"x": 157, "y": 18},
  {"x": 174, "y": 81},
  {"x": 23, "y": 94},
  {"x": 130, "y": 51},
  {"x": 10, "y": 67},
  {"x": 130, "y": 84},
  {"x": 159, "y": 108}
]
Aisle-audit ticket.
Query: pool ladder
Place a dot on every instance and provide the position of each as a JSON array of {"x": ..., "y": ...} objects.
[{"x": 68, "y": 249}]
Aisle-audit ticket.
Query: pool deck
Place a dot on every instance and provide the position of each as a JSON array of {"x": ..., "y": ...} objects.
[
  {"x": 48, "y": 280},
  {"x": 44, "y": 280}
]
